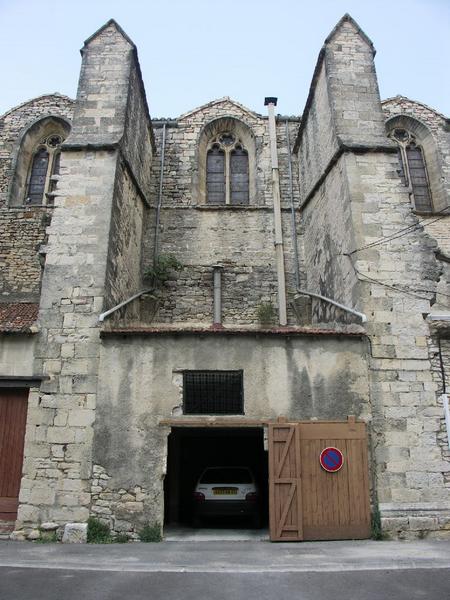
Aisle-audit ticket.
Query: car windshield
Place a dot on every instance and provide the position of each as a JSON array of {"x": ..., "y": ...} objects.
[{"x": 227, "y": 475}]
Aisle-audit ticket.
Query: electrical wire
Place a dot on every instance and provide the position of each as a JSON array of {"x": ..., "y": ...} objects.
[
  {"x": 398, "y": 234},
  {"x": 392, "y": 287}
]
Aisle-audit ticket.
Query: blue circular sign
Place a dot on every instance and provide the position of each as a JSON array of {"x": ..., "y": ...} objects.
[{"x": 331, "y": 459}]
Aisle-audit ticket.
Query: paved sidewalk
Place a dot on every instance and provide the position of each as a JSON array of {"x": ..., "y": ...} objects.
[{"x": 229, "y": 556}]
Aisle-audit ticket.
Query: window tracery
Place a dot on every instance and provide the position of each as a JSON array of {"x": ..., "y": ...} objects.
[
  {"x": 413, "y": 170},
  {"x": 227, "y": 170},
  {"x": 44, "y": 165}
]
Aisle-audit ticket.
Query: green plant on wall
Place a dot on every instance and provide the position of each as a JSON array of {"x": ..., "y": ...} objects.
[
  {"x": 164, "y": 266},
  {"x": 377, "y": 531},
  {"x": 266, "y": 313}
]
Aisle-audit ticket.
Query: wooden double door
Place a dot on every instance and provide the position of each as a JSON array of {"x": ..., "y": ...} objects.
[
  {"x": 308, "y": 502},
  {"x": 13, "y": 417}
]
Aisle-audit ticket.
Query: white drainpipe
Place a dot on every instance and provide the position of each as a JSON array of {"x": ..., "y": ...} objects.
[
  {"x": 217, "y": 276},
  {"x": 343, "y": 307},
  {"x": 282, "y": 311},
  {"x": 444, "y": 399}
]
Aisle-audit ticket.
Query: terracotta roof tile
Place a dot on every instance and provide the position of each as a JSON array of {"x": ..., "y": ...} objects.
[{"x": 17, "y": 317}]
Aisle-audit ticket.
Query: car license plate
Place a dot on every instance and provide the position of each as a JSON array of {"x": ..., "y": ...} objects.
[{"x": 224, "y": 491}]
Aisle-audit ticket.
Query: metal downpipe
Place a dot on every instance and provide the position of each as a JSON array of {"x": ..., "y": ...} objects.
[{"x": 279, "y": 252}]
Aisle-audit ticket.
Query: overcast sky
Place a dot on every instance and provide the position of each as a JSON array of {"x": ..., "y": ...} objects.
[{"x": 194, "y": 51}]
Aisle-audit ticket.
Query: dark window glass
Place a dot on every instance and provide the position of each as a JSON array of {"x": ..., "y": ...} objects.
[
  {"x": 419, "y": 182},
  {"x": 226, "y": 475},
  {"x": 239, "y": 177},
  {"x": 213, "y": 392},
  {"x": 215, "y": 176},
  {"x": 36, "y": 185}
]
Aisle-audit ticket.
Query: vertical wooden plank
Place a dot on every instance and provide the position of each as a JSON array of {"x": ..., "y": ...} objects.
[
  {"x": 335, "y": 505},
  {"x": 284, "y": 483}
]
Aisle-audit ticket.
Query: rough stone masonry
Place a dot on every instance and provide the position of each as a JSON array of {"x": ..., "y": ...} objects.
[{"x": 100, "y": 389}]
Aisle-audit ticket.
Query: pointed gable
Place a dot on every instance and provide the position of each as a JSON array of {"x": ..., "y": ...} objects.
[
  {"x": 226, "y": 103},
  {"x": 110, "y": 28},
  {"x": 347, "y": 23}
]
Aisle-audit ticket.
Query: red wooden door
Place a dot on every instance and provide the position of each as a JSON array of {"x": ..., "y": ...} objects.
[{"x": 13, "y": 416}]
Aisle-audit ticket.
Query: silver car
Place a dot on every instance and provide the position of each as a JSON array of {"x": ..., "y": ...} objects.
[{"x": 226, "y": 491}]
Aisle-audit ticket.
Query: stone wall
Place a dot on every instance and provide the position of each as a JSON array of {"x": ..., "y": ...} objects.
[
  {"x": 141, "y": 382},
  {"x": 317, "y": 135},
  {"x": 362, "y": 235},
  {"x": 93, "y": 192},
  {"x": 328, "y": 235},
  {"x": 23, "y": 229},
  {"x": 437, "y": 124},
  {"x": 240, "y": 238}
]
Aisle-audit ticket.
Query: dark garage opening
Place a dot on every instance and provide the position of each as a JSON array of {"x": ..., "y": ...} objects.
[{"x": 191, "y": 450}]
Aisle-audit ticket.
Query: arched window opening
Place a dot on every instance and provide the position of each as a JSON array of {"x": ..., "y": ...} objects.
[
  {"x": 215, "y": 175},
  {"x": 44, "y": 165},
  {"x": 239, "y": 176},
  {"x": 412, "y": 169},
  {"x": 227, "y": 172}
]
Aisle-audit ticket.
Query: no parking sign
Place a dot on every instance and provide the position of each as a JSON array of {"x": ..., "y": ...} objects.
[{"x": 331, "y": 459}]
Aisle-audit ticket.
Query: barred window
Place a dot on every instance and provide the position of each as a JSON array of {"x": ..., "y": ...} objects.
[
  {"x": 213, "y": 392},
  {"x": 227, "y": 172},
  {"x": 412, "y": 169}
]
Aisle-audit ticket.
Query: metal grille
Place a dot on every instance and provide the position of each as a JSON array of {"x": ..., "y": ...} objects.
[{"x": 213, "y": 392}]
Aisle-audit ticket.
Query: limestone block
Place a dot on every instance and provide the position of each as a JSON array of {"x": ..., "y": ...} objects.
[
  {"x": 60, "y": 419},
  {"x": 57, "y": 451},
  {"x": 49, "y": 526},
  {"x": 27, "y": 513},
  {"x": 67, "y": 350},
  {"x": 72, "y": 514},
  {"x": 17, "y": 536},
  {"x": 122, "y": 526},
  {"x": 75, "y": 533},
  {"x": 394, "y": 523},
  {"x": 34, "y": 534},
  {"x": 81, "y": 417},
  {"x": 42, "y": 495},
  {"x": 69, "y": 485},
  {"x": 60, "y": 435},
  {"x": 423, "y": 523}
]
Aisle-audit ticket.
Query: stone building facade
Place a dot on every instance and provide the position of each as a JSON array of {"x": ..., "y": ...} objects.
[{"x": 102, "y": 340}]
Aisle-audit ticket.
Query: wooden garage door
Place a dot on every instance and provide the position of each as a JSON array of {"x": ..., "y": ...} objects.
[
  {"x": 306, "y": 501},
  {"x": 13, "y": 415}
]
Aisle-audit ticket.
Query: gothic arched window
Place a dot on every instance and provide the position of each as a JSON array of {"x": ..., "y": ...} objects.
[
  {"x": 227, "y": 171},
  {"x": 36, "y": 162},
  {"x": 44, "y": 164},
  {"x": 413, "y": 170}
]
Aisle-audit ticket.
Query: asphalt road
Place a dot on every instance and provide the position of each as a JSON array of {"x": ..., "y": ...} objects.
[
  {"x": 51, "y": 584},
  {"x": 216, "y": 570}
]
